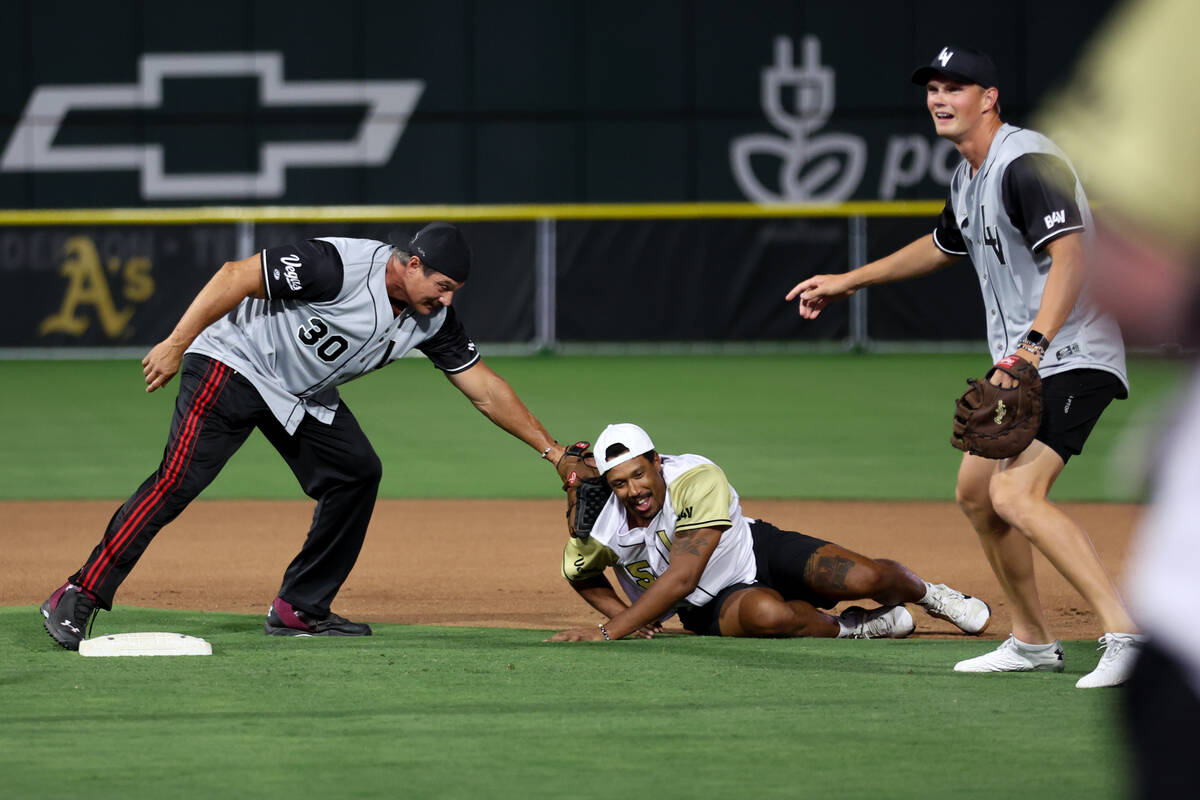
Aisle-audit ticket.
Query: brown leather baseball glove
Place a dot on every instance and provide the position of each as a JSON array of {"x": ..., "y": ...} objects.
[
  {"x": 587, "y": 491},
  {"x": 999, "y": 423}
]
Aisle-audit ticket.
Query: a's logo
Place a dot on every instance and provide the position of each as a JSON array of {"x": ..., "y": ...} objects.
[
  {"x": 88, "y": 286},
  {"x": 799, "y": 164},
  {"x": 944, "y": 56},
  {"x": 1001, "y": 410},
  {"x": 1055, "y": 218},
  {"x": 290, "y": 264},
  {"x": 388, "y": 106}
]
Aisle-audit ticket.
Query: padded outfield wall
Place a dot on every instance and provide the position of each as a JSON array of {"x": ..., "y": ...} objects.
[{"x": 142, "y": 103}]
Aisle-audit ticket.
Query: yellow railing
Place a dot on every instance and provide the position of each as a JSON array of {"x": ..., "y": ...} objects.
[{"x": 261, "y": 214}]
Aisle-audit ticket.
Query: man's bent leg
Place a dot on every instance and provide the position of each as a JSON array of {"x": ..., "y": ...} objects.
[
  {"x": 758, "y": 611},
  {"x": 1019, "y": 495},
  {"x": 840, "y": 574},
  {"x": 1008, "y": 552},
  {"x": 337, "y": 467},
  {"x": 204, "y": 434}
]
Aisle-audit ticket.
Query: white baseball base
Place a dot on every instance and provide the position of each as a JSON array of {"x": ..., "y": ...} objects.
[{"x": 145, "y": 644}]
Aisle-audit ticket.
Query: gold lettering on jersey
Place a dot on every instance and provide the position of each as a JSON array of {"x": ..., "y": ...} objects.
[
  {"x": 1001, "y": 410},
  {"x": 662, "y": 537},
  {"x": 640, "y": 572},
  {"x": 88, "y": 285}
]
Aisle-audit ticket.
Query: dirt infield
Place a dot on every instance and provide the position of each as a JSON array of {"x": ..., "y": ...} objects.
[{"x": 489, "y": 563}]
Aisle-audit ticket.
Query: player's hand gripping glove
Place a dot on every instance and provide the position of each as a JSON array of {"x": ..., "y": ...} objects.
[
  {"x": 587, "y": 491},
  {"x": 999, "y": 423}
]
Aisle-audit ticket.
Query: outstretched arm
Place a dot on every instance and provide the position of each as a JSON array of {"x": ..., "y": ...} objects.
[
  {"x": 689, "y": 557},
  {"x": 917, "y": 258},
  {"x": 232, "y": 283},
  {"x": 492, "y": 395},
  {"x": 600, "y": 595}
]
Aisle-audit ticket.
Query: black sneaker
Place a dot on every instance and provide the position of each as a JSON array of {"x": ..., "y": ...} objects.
[
  {"x": 284, "y": 620},
  {"x": 68, "y": 615}
]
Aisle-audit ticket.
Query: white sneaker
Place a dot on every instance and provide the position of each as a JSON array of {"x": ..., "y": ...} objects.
[
  {"x": 970, "y": 614},
  {"x": 1116, "y": 665},
  {"x": 1010, "y": 656},
  {"x": 893, "y": 622}
]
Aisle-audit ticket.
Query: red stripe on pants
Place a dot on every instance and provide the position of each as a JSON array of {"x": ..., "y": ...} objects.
[{"x": 179, "y": 456}]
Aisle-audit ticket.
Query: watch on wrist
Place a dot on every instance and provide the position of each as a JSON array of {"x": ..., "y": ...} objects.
[{"x": 1037, "y": 339}]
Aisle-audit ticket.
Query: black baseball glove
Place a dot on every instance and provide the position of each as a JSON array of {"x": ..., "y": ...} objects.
[
  {"x": 999, "y": 423},
  {"x": 586, "y": 489}
]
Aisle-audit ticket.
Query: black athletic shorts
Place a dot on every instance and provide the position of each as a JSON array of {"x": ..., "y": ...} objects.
[
  {"x": 1072, "y": 403},
  {"x": 780, "y": 557}
]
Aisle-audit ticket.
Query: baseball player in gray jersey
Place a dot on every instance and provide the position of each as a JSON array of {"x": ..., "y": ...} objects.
[
  {"x": 265, "y": 345},
  {"x": 1018, "y": 211}
]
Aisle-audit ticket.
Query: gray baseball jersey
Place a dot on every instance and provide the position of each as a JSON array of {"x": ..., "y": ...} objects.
[
  {"x": 1003, "y": 217},
  {"x": 327, "y": 319}
]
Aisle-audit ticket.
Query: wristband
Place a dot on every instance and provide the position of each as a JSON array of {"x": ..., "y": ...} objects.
[
  {"x": 604, "y": 631},
  {"x": 1030, "y": 347},
  {"x": 547, "y": 451}
]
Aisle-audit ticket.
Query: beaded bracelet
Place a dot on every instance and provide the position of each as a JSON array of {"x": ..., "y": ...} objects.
[{"x": 604, "y": 631}]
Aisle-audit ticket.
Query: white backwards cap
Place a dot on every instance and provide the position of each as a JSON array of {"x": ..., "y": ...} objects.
[{"x": 626, "y": 434}]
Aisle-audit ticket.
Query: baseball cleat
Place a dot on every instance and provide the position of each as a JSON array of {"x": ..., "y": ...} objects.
[
  {"x": 1116, "y": 665},
  {"x": 970, "y": 614},
  {"x": 1013, "y": 656},
  {"x": 68, "y": 614},
  {"x": 285, "y": 620},
  {"x": 886, "y": 622}
]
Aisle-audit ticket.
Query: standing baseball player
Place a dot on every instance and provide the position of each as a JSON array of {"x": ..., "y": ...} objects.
[
  {"x": 264, "y": 345},
  {"x": 1018, "y": 211},
  {"x": 674, "y": 533}
]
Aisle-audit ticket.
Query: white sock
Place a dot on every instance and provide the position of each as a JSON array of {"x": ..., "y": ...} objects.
[
  {"x": 924, "y": 601},
  {"x": 1034, "y": 647},
  {"x": 843, "y": 629}
]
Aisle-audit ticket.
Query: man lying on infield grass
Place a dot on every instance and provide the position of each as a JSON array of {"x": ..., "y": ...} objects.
[{"x": 674, "y": 533}]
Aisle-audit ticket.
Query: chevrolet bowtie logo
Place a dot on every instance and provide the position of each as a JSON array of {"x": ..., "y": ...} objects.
[{"x": 389, "y": 105}]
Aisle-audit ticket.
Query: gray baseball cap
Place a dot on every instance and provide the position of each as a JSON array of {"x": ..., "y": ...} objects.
[{"x": 961, "y": 64}]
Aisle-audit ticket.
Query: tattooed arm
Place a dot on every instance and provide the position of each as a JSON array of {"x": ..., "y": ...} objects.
[{"x": 689, "y": 557}]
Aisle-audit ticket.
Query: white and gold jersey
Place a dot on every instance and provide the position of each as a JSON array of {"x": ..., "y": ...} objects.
[{"x": 698, "y": 496}]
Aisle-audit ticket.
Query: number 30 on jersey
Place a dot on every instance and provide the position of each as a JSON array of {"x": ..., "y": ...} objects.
[{"x": 316, "y": 335}]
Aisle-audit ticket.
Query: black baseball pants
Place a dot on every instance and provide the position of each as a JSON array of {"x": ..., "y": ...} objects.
[{"x": 214, "y": 414}]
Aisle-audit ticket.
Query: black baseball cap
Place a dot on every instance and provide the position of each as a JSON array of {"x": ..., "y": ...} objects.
[
  {"x": 961, "y": 64},
  {"x": 440, "y": 246}
]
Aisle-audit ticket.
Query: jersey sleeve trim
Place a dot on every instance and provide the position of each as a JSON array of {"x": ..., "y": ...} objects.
[
  {"x": 468, "y": 365},
  {"x": 944, "y": 248},
  {"x": 708, "y": 523},
  {"x": 262, "y": 260},
  {"x": 1054, "y": 235}
]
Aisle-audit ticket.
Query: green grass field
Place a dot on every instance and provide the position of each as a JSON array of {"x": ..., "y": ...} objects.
[
  {"x": 463, "y": 712},
  {"x": 454, "y": 712},
  {"x": 819, "y": 426}
]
